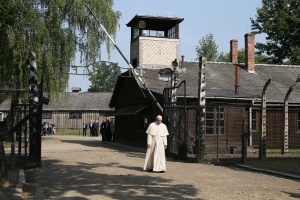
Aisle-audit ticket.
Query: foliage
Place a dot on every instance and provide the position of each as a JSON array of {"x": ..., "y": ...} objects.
[
  {"x": 207, "y": 48},
  {"x": 55, "y": 30},
  {"x": 105, "y": 77},
  {"x": 259, "y": 58},
  {"x": 280, "y": 21},
  {"x": 225, "y": 57}
]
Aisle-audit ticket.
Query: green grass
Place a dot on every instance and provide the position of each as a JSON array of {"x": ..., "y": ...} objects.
[
  {"x": 278, "y": 151},
  {"x": 6, "y": 144},
  {"x": 286, "y": 164},
  {"x": 68, "y": 132}
]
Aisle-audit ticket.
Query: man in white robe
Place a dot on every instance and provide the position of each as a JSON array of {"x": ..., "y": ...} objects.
[{"x": 157, "y": 143}]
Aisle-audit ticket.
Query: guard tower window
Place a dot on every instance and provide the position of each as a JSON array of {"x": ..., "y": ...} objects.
[
  {"x": 154, "y": 26},
  {"x": 152, "y": 33},
  {"x": 172, "y": 32},
  {"x": 135, "y": 32}
]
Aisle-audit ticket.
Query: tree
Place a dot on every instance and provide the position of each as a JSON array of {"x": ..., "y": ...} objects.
[
  {"x": 259, "y": 58},
  {"x": 207, "y": 48},
  {"x": 56, "y": 30},
  {"x": 225, "y": 57},
  {"x": 280, "y": 21},
  {"x": 105, "y": 77}
]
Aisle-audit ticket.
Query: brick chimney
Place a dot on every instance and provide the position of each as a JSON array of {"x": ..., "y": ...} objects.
[
  {"x": 182, "y": 61},
  {"x": 249, "y": 52},
  {"x": 234, "y": 51},
  {"x": 234, "y": 59}
]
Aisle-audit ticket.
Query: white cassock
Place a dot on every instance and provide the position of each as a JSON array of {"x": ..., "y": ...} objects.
[{"x": 155, "y": 156}]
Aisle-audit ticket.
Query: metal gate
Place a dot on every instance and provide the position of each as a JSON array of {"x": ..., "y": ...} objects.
[
  {"x": 18, "y": 129},
  {"x": 176, "y": 120},
  {"x": 225, "y": 125},
  {"x": 225, "y": 129}
]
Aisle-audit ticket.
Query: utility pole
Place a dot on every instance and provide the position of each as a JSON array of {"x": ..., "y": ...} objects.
[
  {"x": 285, "y": 145},
  {"x": 200, "y": 128},
  {"x": 33, "y": 108},
  {"x": 263, "y": 134}
]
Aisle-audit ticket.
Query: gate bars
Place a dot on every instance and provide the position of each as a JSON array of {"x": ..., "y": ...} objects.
[{"x": 176, "y": 121}]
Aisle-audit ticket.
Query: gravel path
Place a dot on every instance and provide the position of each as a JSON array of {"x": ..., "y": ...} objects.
[{"x": 86, "y": 168}]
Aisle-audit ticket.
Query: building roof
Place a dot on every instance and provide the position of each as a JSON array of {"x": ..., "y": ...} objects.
[
  {"x": 220, "y": 81},
  {"x": 85, "y": 101},
  {"x": 81, "y": 101},
  {"x": 155, "y": 22}
]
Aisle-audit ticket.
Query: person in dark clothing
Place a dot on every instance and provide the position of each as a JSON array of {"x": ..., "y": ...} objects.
[
  {"x": 45, "y": 129},
  {"x": 102, "y": 130},
  {"x": 96, "y": 128},
  {"x": 50, "y": 129},
  {"x": 84, "y": 127},
  {"x": 107, "y": 131},
  {"x": 112, "y": 130},
  {"x": 91, "y": 128}
]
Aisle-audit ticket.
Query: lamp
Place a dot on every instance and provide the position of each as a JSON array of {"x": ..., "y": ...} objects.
[{"x": 175, "y": 64}]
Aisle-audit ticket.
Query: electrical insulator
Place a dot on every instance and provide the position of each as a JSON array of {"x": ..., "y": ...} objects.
[
  {"x": 202, "y": 87},
  {"x": 175, "y": 79}
]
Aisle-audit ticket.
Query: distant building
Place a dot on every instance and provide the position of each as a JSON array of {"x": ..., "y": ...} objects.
[
  {"x": 71, "y": 109},
  {"x": 233, "y": 93}
]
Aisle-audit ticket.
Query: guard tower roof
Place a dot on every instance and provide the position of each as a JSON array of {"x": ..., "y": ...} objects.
[{"x": 155, "y": 22}]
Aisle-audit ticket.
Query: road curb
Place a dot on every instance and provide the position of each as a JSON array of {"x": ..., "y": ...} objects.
[
  {"x": 19, "y": 186},
  {"x": 276, "y": 173}
]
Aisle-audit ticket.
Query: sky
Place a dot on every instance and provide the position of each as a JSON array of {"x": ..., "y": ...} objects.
[{"x": 225, "y": 19}]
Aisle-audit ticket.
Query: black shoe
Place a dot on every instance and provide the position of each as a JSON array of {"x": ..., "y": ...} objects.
[{"x": 149, "y": 170}]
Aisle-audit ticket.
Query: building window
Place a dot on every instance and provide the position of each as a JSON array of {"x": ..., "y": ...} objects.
[
  {"x": 75, "y": 115},
  {"x": 298, "y": 122},
  {"x": 135, "y": 33},
  {"x": 172, "y": 32},
  {"x": 212, "y": 121},
  {"x": 254, "y": 120},
  {"x": 46, "y": 115}
]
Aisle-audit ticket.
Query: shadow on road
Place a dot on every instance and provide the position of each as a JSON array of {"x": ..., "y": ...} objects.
[
  {"x": 84, "y": 179},
  {"x": 58, "y": 180}
]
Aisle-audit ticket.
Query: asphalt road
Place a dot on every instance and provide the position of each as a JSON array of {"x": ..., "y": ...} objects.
[{"x": 85, "y": 168}]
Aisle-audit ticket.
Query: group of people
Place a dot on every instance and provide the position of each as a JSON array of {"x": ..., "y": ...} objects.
[
  {"x": 93, "y": 126},
  {"x": 106, "y": 129},
  {"x": 48, "y": 129}
]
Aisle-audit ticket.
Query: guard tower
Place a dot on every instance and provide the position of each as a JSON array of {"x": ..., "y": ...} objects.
[{"x": 154, "y": 41}]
